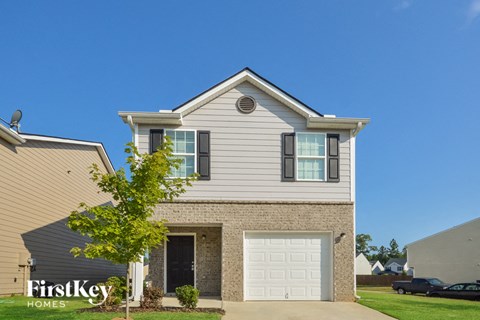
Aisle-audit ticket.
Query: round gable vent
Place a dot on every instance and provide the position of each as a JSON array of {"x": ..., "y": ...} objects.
[{"x": 246, "y": 104}]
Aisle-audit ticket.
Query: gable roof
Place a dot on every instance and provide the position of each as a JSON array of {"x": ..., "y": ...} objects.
[
  {"x": 175, "y": 117},
  {"x": 444, "y": 231},
  {"x": 98, "y": 145},
  {"x": 399, "y": 261},
  {"x": 374, "y": 262},
  {"x": 246, "y": 74}
]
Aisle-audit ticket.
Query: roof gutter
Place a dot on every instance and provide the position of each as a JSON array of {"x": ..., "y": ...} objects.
[
  {"x": 355, "y": 124},
  {"x": 11, "y": 136},
  {"x": 169, "y": 118}
]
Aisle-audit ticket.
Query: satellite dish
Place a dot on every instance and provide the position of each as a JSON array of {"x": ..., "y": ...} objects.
[{"x": 16, "y": 117}]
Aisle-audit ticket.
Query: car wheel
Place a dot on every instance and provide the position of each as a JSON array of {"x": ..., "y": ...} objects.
[{"x": 401, "y": 291}]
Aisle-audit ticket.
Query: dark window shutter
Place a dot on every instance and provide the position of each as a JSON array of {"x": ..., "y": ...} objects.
[
  {"x": 333, "y": 158},
  {"x": 203, "y": 155},
  {"x": 288, "y": 156},
  {"x": 156, "y": 139}
]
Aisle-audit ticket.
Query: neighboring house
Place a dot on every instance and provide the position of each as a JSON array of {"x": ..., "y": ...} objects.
[
  {"x": 272, "y": 214},
  {"x": 43, "y": 180},
  {"x": 376, "y": 267},
  {"x": 398, "y": 265},
  {"x": 452, "y": 255},
  {"x": 362, "y": 265}
]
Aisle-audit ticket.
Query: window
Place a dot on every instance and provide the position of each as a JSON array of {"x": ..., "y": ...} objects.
[
  {"x": 399, "y": 269},
  {"x": 436, "y": 282},
  {"x": 456, "y": 287},
  {"x": 311, "y": 156},
  {"x": 472, "y": 287},
  {"x": 183, "y": 144}
]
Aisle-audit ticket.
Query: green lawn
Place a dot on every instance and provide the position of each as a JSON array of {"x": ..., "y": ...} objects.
[
  {"x": 17, "y": 309},
  {"x": 414, "y": 307},
  {"x": 376, "y": 289}
]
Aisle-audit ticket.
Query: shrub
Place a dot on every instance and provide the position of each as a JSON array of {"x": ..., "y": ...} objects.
[
  {"x": 152, "y": 298},
  {"x": 187, "y": 296},
  {"x": 118, "y": 291}
]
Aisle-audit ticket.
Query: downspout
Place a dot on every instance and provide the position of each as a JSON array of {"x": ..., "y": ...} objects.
[
  {"x": 136, "y": 284},
  {"x": 130, "y": 124},
  {"x": 131, "y": 265},
  {"x": 353, "y": 173},
  {"x": 357, "y": 130}
]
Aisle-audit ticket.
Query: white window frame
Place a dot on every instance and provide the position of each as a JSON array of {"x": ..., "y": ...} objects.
[
  {"x": 185, "y": 154},
  {"x": 311, "y": 157}
]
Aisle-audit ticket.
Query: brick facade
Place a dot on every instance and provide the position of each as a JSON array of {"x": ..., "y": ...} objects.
[{"x": 235, "y": 217}]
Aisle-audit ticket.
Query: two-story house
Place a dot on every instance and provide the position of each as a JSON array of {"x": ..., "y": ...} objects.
[
  {"x": 272, "y": 214},
  {"x": 43, "y": 179}
]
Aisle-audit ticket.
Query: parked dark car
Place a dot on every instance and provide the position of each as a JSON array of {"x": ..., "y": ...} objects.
[
  {"x": 469, "y": 291},
  {"x": 418, "y": 285}
]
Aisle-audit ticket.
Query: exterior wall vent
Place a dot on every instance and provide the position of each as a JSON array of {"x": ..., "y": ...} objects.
[{"x": 246, "y": 104}]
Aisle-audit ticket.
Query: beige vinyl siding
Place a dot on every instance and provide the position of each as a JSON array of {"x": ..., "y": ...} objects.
[
  {"x": 37, "y": 195},
  {"x": 246, "y": 151}
]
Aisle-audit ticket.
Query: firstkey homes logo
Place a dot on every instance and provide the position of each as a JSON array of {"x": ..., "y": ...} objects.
[{"x": 75, "y": 288}]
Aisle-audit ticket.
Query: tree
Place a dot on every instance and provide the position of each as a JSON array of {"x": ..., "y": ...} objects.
[
  {"x": 362, "y": 245},
  {"x": 122, "y": 232},
  {"x": 381, "y": 255},
  {"x": 393, "y": 251}
]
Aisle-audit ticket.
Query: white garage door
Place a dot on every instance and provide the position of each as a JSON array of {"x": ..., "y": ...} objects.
[{"x": 288, "y": 266}]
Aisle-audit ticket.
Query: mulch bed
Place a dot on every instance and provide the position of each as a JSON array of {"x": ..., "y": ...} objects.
[{"x": 161, "y": 309}]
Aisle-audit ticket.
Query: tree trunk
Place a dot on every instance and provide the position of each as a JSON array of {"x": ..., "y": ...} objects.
[{"x": 127, "y": 306}]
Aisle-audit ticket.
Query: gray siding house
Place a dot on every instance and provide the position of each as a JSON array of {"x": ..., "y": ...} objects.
[
  {"x": 452, "y": 255},
  {"x": 272, "y": 215}
]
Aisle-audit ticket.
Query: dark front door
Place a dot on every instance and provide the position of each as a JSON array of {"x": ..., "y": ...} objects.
[{"x": 180, "y": 262}]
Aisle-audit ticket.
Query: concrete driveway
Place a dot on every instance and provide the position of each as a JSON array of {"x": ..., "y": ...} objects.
[{"x": 293, "y": 310}]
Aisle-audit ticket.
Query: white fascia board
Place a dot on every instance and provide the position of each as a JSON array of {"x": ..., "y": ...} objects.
[
  {"x": 11, "y": 136},
  {"x": 99, "y": 146},
  {"x": 336, "y": 123},
  {"x": 245, "y": 75},
  {"x": 172, "y": 118}
]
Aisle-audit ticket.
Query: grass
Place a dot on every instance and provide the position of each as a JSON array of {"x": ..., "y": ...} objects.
[
  {"x": 376, "y": 289},
  {"x": 414, "y": 307},
  {"x": 16, "y": 308}
]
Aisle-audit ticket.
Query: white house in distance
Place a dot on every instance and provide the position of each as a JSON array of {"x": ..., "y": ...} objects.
[
  {"x": 362, "y": 265},
  {"x": 376, "y": 266},
  {"x": 452, "y": 255},
  {"x": 398, "y": 265}
]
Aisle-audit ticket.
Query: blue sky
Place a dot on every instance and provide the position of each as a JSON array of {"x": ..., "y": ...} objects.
[{"x": 412, "y": 66}]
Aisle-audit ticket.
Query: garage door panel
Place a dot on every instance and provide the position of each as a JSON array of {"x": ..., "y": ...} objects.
[
  {"x": 256, "y": 292},
  {"x": 278, "y": 257},
  {"x": 298, "y": 257},
  {"x": 277, "y": 275},
  {"x": 256, "y": 274},
  {"x": 297, "y": 266},
  {"x": 298, "y": 275},
  {"x": 277, "y": 292}
]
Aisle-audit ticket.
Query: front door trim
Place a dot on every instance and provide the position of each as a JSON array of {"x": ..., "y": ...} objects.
[{"x": 194, "y": 257}]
